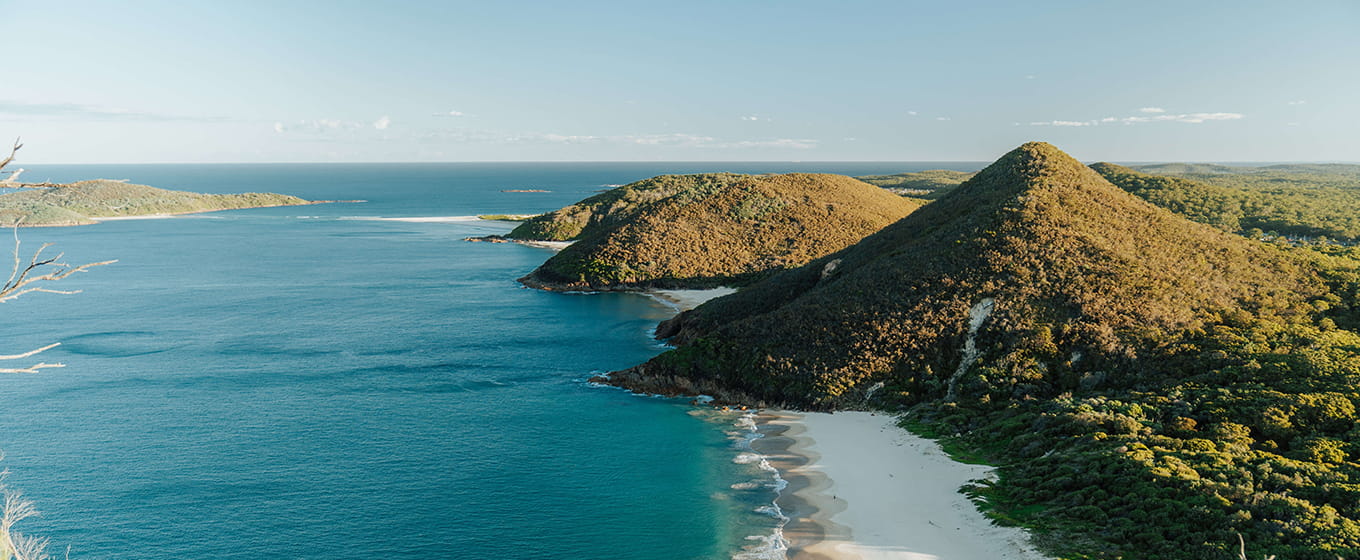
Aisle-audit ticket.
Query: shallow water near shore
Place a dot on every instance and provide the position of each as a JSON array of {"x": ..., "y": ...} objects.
[{"x": 329, "y": 382}]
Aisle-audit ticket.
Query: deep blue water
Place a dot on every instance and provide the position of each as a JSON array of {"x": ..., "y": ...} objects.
[{"x": 317, "y": 382}]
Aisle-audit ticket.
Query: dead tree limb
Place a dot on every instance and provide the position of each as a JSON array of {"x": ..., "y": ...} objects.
[
  {"x": 12, "y": 543},
  {"x": 35, "y": 367},
  {"x": 12, "y": 182},
  {"x": 23, "y": 279},
  {"x": 12, "y": 151},
  {"x": 30, "y": 278}
]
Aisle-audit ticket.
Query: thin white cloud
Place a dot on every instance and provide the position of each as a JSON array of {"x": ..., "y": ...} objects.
[
  {"x": 912, "y": 113},
  {"x": 1191, "y": 118},
  {"x": 451, "y": 114},
  {"x": 1298, "y": 102},
  {"x": 1194, "y": 118},
  {"x": 794, "y": 143},
  {"x": 1029, "y": 77},
  {"x": 565, "y": 139},
  {"x": 1152, "y": 110},
  {"x": 941, "y": 118},
  {"x": 79, "y": 111},
  {"x": 677, "y": 139},
  {"x": 674, "y": 140},
  {"x": 1064, "y": 123},
  {"x": 330, "y": 126},
  {"x": 752, "y": 118}
]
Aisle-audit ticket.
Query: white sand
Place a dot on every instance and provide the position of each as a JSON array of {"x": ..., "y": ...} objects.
[
  {"x": 143, "y": 217},
  {"x": 685, "y": 300},
  {"x": 895, "y": 492},
  {"x": 554, "y": 245}
]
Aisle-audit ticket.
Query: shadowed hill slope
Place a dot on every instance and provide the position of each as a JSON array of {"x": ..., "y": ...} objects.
[
  {"x": 83, "y": 202},
  {"x": 707, "y": 230}
]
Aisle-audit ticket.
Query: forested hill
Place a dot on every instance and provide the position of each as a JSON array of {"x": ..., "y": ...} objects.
[
  {"x": 85, "y": 201},
  {"x": 1296, "y": 203},
  {"x": 706, "y": 230},
  {"x": 1266, "y": 172},
  {"x": 1149, "y": 386}
]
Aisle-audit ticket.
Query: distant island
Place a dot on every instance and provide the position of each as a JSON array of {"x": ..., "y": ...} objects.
[
  {"x": 86, "y": 202},
  {"x": 703, "y": 231}
]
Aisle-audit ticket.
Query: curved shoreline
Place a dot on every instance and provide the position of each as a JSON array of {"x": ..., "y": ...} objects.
[
  {"x": 95, "y": 220},
  {"x": 861, "y": 488},
  {"x": 785, "y": 446}
]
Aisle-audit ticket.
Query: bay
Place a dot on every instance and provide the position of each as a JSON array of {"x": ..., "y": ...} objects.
[{"x": 339, "y": 381}]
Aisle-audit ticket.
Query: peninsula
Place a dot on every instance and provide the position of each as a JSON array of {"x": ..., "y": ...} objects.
[{"x": 87, "y": 202}]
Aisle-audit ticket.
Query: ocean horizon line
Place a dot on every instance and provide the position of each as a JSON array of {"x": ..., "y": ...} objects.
[{"x": 1252, "y": 163}]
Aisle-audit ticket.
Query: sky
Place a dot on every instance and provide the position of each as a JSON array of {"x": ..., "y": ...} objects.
[{"x": 698, "y": 80}]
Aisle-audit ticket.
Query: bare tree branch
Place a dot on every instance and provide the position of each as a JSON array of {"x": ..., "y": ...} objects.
[
  {"x": 22, "y": 277},
  {"x": 16, "y": 509},
  {"x": 12, "y": 182},
  {"x": 31, "y": 352},
  {"x": 12, "y": 151},
  {"x": 25, "y": 279},
  {"x": 30, "y": 369}
]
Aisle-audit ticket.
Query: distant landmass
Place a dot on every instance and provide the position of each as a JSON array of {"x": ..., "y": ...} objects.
[
  {"x": 1349, "y": 169},
  {"x": 693, "y": 231},
  {"x": 85, "y": 202},
  {"x": 1301, "y": 201},
  {"x": 1149, "y": 386},
  {"x": 929, "y": 184}
]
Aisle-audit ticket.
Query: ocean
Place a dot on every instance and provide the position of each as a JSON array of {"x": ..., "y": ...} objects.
[{"x": 353, "y": 380}]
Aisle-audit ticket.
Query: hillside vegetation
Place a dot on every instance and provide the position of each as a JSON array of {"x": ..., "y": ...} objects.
[
  {"x": 706, "y": 230},
  {"x": 1149, "y": 386},
  {"x": 1296, "y": 201},
  {"x": 83, "y": 202},
  {"x": 1331, "y": 174}
]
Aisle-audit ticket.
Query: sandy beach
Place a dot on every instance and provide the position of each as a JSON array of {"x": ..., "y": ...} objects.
[
  {"x": 685, "y": 300},
  {"x": 862, "y": 488}
]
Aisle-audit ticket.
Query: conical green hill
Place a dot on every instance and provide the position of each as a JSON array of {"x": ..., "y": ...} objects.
[
  {"x": 1058, "y": 278},
  {"x": 707, "y": 230}
]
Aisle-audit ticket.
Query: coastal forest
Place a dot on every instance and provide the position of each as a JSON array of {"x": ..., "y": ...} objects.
[{"x": 1157, "y": 364}]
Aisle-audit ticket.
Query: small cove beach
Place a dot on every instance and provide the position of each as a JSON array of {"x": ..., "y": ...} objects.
[{"x": 859, "y": 487}]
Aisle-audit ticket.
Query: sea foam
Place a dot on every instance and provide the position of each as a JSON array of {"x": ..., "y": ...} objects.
[
  {"x": 764, "y": 547},
  {"x": 417, "y": 219}
]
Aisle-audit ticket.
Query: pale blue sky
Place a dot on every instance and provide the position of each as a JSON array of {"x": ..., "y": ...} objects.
[{"x": 146, "y": 81}]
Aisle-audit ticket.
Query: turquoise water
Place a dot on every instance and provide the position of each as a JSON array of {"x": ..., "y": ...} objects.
[{"x": 325, "y": 382}]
